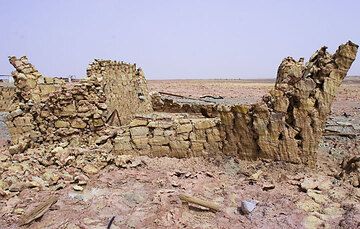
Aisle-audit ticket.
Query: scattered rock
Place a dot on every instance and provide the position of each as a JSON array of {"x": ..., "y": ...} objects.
[
  {"x": 247, "y": 206},
  {"x": 90, "y": 169},
  {"x": 78, "y": 188},
  {"x": 19, "y": 211},
  {"x": 309, "y": 183},
  {"x": 268, "y": 186},
  {"x": 311, "y": 222}
]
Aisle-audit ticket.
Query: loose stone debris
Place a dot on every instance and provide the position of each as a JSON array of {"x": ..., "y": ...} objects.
[
  {"x": 38, "y": 211},
  {"x": 65, "y": 135},
  {"x": 247, "y": 206}
]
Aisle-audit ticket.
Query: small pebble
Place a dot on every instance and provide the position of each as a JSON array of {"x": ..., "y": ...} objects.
[
  {"x": 247, "y": 206},
  {"x": 78, "y": 188}
]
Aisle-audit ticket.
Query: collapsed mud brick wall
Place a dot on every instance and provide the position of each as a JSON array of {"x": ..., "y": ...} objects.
[
  {"x": 287, "y": 123},
  {"x": 124, "y": 86},
  {"x": 54, "y": 113},
  {"x": 173, "y": 135}
]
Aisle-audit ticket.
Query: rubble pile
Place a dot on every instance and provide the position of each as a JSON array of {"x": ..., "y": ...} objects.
[
  {"x": 125, "y": 88},
  {"x": 287, "y": 124},
  {"x": 174, "y": 135},
  {"x": 54, "y": 168}
]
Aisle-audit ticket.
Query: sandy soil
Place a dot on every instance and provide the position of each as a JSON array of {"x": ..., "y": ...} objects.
[{"x": 147, "y": 196}]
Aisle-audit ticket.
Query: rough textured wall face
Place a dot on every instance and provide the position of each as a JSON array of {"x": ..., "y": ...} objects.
[
  {"x": 172, "y": 135},
  {"x": 26, "y": 79},
  {"x": 65, "y": 112},
  {"x": 7, "y": 95},
  {"x": 285, "y": 125},
  {"x": 288, "y": 123},
  {"x": 124, "y": 86}
]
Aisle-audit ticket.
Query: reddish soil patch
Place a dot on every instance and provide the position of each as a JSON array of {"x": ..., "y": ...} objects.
[{"x": 287, "y": 195}]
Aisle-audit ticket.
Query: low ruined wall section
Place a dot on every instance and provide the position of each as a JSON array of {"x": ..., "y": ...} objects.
[
  {"x": 287, "y": 123},
  {"x": 170, "y": 135}
]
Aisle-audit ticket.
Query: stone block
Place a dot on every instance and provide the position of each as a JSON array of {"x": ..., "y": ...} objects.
[
  {"x": 138, "y": 122},
  {"x": 213, "y": 135},
  {"x": 160, "y": 151},
  {"x": 68, "y": 110},
  {"x": 158, "y": 132},
  {"x": 139, "y": 131},
  {"x": 158, "y": 140},
  {"x": 141, "y": 142},
  {"x": 161, "y": 124},
  {"x": 204, "y": 123},
  {"x": 62, "y": 124},
  {"x": 197, "y": 146},
  {"x": 182, "y": 137},
  {"x": 184, "y": 128},
  {"x": 122, "y": 144},
  {"x": 179, "y": 145},
  {"x": 98, "y": 122},
  {"x": 78, "y": 123}
]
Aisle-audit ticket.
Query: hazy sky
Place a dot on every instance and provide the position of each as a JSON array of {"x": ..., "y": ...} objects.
[{"x": 174, "y": 39}]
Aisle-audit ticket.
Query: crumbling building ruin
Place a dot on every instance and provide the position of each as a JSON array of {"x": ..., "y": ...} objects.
[{"x": 285, "y": 125}]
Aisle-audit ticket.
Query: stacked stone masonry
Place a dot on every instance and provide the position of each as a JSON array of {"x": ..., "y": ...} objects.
[
  {"x": 7, "y": 95},
  {"x": 174, "y": 135},
  {"x": 125, "y": 88},
  {"x": 66, "y": 111},
  {"x": 286, "y": 124}
]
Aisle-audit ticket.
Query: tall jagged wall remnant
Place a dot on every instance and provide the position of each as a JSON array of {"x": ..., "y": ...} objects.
[
  {"x": 26, "y": 79},
  {"x": 66, "y": 111},
  {"x": 287, "y": 123},
  {"x": 125, "y": 88}
]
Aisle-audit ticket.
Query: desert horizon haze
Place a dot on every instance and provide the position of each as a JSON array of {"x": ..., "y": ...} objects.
[{"x": 177, "y": 39}]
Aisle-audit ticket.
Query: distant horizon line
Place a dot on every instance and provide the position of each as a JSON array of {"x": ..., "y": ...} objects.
[{"x": 185, "y": 77}]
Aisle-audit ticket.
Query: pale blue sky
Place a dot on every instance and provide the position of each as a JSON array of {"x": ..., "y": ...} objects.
[{"x": 174, "y": 39}]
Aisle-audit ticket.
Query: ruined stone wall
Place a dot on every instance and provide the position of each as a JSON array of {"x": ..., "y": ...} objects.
[
  {"x": 288, "y": 123},
  {"x": 7, "y": 95},
  {"x": 172, "y": 135},
  {"x": 285, "y": 125},
  {"x": 68, "y": 113},
  {"x": 125, "y": 88}
]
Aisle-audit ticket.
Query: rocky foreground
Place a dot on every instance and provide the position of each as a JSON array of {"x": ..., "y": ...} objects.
[{"x": 142, "y": 192}]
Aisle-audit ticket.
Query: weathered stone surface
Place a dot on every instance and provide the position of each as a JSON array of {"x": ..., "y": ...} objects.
[
  {"x": 204, "y": 124},
  {"x": 125, "y": 87},
  {"x": 44, "y": 116},
  {"x": 160, "y": 124},
  {"x": 184, "y": 128},
  {"x": 287, "y": 123},
  {"x": 61, "y": 124},
  {"x": 138, "y": 122},
  {"x": 78, "y": 123},
  {"x": 139, "y": 131}
]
